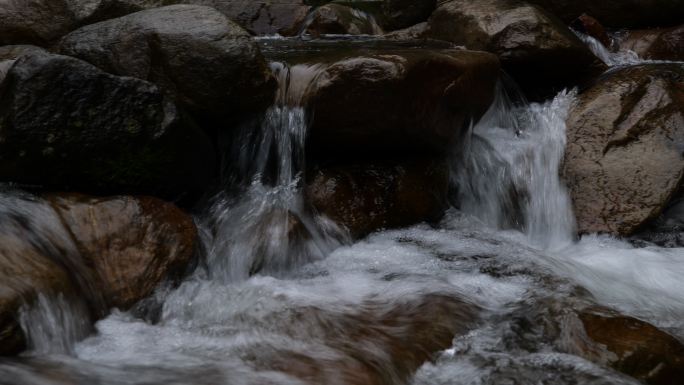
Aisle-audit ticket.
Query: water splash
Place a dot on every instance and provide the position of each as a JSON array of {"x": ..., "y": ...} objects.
[
  {"x": 507, "y": 174},
  {"x": 268, "y": 227}
]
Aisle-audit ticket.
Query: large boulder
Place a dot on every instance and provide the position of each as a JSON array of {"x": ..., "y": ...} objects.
[
  {"x": 34, "y": 21},
  {"x": 132, "y": 243},
  {"x": 341, "y": 20},
  {"x": 66, "y": 125},
  {"x": 628, "y": 345},
  {"x": 398, "y": 102},
  {"x": 369, "y": 197},
  {"x": 110, "y": 252},
  {"x": 210, "y": 64},
  {"x": 400, "y": 14},
  {"x": 536, "y": 49},
  {"x": 619, "y": 13},
  {"x": 656, "y": 44},
  {"x": 623, "y": 161},
  {"x": 260, "y": 17}
]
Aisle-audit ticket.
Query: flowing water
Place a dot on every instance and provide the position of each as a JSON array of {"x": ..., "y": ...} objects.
[{"x": 283, "y": 297}]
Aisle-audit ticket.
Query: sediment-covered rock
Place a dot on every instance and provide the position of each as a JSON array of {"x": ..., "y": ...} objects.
[
  {"x": 370, "y": 197},
  {"x": 340, "y": 19},
  {"x": 398, "y": 102},
  {"x": 536, "y": 49},
  {"x": 656, "y": 44},
  {"x": 66, "y": 125},
  {"x": 210, "y": 64},
  {"x": 623, "y": 162}
]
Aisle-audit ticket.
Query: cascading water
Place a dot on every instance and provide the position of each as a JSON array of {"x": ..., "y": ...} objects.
[
  {"x": 281, "y": 299},
  {"x": 507, "y": 174},
  {"x": 267, "y": 227}
]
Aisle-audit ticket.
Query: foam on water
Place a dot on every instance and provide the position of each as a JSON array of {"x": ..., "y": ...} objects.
[{"x": 283, "y": 299}]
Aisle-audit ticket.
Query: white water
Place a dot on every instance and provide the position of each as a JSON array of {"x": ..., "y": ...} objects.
[{"x": 320, "y": 311}]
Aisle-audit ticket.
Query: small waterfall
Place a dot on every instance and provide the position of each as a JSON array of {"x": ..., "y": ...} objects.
[
  {"x": 617, "y": 58},
  {"x": 267, "y": 227},
  {"x": 507, "y": 173}
]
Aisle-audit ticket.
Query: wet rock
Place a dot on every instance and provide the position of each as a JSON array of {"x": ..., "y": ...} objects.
[
  {"x": 414, "y": 32},
  {"x": 590, "y": 26},
  {"x": 619, "y": 13},
  {"x": 341, "y": 20},
  {"x": 108, "y": 252},
  {"x": 260, "y": 17},
  {"x": 400, "y": 14},
  {"x": 92, "y": 11},
  {"x": 369, "y": 197},
  {"x": 630, "y": 346},
  {"x": 66, "y": 125},
  {"x": 536, "y": 49},
  {"x": 210, "y": 64},
  {"x": 656, "y": 44},
  {"x": 398, "y": 102},
  {"x": 399, "y": 337},
  {"x": 666, "y": 231},
  {"x": 623, "y": 161},
  {"x": 133, "y": 244}
]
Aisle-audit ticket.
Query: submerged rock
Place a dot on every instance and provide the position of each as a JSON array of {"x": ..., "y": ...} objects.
[
  {"x": 339, "y": 19},
  {"x": 398, "y": 102},
  {"x": 110, "y": 252},
  {"x": 619, "y": 13},
  {"x": 369, "y": 197},
  {"x": 210, "y": 64},
  {"x": 623, "y": 162},
  {"x": 656, "y": 44},
  {"x": 536, "y": 49},
  {"x": 66, "y": 125}
]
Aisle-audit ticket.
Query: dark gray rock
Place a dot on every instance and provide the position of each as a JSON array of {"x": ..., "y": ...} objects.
[
  {"x": 210, "y": 64},
  {"x": 66, "y": 125}
]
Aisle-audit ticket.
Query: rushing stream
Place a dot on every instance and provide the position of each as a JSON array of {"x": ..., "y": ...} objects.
[{"x": 324, "y": 311}]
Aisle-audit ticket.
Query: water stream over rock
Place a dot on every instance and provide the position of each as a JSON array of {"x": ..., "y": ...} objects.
[{"x": 492, "y": 294}]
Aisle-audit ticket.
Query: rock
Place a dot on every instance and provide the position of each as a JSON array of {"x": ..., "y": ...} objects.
[
  {"x": 398, "y": 102},
  {"x": 623, "y": 162},
  {"x": 92, "y": 11},
  {"x": 341, "y": 20},
  {"x": 10, "y": 53},
  {"x": 414, "y": 32},
  {"x": 619, "y": 13},
  {"x": 666, "y": 231},
  {"x": 537, "y": 50},
  {"x": 260, "y": 17},
  {"x": 590, "y": 26},
  {"x": 369, "y": 197},
  {"x": 210, "y": 64},
  {"x": 66, "y": 125},
  {"x": 404, "y": 335},
  {"x": 110, "y": 252},
  {"x": 133, "y": 244},
  {"x": 656, "y": 44},
  {"x": 630, "y": 346},
  {"x": 34, "y": 21},
  {"x": 400, "y": 14}
]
